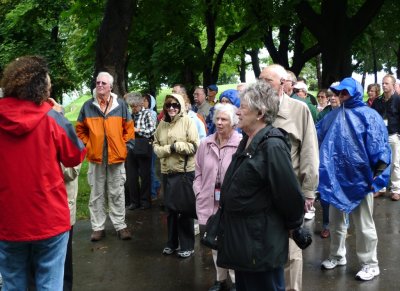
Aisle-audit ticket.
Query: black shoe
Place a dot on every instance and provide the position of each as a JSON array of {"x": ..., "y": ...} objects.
[
  {"x": 218, "y": 286},
  {"x": 132, "y": 206}
]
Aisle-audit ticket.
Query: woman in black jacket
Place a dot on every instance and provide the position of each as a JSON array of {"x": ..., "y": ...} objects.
[{"x": 260, "y": 196}]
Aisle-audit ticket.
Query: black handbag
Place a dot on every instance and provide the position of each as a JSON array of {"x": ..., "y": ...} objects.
[
  {"x": 142, "y": 148},
  {"x": 210, "y": 237},
  {"x": 179, "y": 195}
]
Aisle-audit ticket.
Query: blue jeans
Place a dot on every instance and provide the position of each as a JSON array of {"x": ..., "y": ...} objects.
[
  {"x": 46, "y": 256},
  {"x": 155, "y": 183},
  {"x": 325, "y": 214}
]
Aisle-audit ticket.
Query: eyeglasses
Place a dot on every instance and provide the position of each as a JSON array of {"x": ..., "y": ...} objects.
[
  {"x": 173, "y": 105},
  {"x": 98, "y": 83}
]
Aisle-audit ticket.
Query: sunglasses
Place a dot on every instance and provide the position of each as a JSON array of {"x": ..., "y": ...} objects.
[
  {"x": 173, "y": 105},
  {"x": 296, "y": 90},
  {"x": 98, "y": 83}
]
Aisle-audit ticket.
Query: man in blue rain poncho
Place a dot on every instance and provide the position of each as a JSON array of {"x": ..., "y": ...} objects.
[{"x": 354, "y": 160}]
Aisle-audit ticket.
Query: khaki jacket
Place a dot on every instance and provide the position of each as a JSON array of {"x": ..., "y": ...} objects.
[
  {"x": 183, "y": 132},
  {"x": 71, "y": 185},
  {"x": 295, "y": 117}
]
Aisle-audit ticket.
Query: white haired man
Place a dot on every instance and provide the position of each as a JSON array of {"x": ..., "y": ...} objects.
[
  {"x": 106, "y": 128},
  {"x": 295, "y": 117}
]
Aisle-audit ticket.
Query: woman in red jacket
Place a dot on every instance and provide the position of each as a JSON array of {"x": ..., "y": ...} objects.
[{"x": 34, "y": 213}]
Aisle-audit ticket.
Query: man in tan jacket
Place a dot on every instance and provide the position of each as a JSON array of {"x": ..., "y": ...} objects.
[{"x": 296, "y": 119}]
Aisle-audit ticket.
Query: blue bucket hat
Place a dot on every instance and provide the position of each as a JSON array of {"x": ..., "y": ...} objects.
[
  {"x": 213, "y": 88},
  {"x": 351, "y": 85},
  {"x": 354, "y": 88}
]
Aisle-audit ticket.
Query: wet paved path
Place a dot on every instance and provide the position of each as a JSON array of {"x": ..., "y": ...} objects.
[{"x": 117, "y": 265}]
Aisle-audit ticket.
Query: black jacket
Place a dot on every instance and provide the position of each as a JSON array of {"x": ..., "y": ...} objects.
[{"x": 261, "y": 200}]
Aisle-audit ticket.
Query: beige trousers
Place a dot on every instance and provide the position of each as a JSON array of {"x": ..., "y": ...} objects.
[
  {"x": 294, "y": 268},
  {"x": 107, "y": 183},
  {"x": 366, "y": 236}
]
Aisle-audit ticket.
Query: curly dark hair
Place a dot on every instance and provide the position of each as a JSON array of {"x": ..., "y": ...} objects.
[{"x": 26, "y": 78}]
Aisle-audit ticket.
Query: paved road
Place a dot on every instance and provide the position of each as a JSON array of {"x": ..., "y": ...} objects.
[{"x": 117, "y": 265}]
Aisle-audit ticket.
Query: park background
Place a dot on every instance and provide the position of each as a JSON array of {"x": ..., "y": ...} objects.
[{"x": 150, "y": 45}]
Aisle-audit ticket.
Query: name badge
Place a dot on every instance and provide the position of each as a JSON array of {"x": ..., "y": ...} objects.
[{"x": 217, "y": 194}]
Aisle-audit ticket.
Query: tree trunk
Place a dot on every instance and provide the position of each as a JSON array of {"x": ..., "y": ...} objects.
[
  {"x": 255, "y": 62},
  {"x": 210, "y": 18},
  {"x": 112, "y": 42},
  {"x": 335, "y": 37},
  {"x": 242, "y": 67},
  {"x": 336, "y": 63},
  {"x": 319, "y": 71},
  {"x": 398, "y": 62},
  {"x": 364, "y": 76},
  {"x": 218, "y": 60}
]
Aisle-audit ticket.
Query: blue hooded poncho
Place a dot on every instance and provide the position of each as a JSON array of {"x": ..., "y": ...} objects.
[{"x": 352, "y": 140}]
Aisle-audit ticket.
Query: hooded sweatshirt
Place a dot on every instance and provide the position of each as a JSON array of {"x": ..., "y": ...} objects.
[
  {"x": 34, "y": 139},
  {"x": 180, "y": 131},
  {"x": 353, "y": 142}
]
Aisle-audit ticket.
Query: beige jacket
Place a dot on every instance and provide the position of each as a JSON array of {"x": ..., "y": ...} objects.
[
  {"x": 183, "y": 133},
  {"x": 296, "y": 119},
  {"x": 71, "y": 185}
]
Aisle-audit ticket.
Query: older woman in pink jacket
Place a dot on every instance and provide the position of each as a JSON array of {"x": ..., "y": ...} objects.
[{"x": 212, "y": 160}]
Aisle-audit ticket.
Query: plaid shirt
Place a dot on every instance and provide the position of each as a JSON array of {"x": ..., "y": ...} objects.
[{"x": 145, "y": 123}]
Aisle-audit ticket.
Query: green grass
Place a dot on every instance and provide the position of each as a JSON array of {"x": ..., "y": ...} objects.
[
  {"x": 72, "y": 110},
  {"x": 82, "y": 209}
]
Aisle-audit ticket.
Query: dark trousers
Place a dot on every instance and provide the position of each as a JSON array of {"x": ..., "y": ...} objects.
[
  {"x": 138, "y": 167},
  {"x": 263, "y": 281},
  {"x": 68, "y": 271},
  {"x": 325, "y": 214},
  {"x": 180, "y": 231}
]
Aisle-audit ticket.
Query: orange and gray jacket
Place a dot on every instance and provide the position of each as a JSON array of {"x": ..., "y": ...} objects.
[{"x": 116, "y": 126}]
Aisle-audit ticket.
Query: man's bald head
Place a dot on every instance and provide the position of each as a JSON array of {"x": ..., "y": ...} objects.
[{"x": 276, "y": 76}]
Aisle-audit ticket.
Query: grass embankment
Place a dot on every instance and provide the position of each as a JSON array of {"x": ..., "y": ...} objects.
[{"x": 71, "y": 113}]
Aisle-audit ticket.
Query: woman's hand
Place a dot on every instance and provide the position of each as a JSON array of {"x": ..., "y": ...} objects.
[{"x": 57, "y": 107}]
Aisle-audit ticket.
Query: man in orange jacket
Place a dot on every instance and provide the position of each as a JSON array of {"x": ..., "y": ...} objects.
[{"x": 106, "y": 128}]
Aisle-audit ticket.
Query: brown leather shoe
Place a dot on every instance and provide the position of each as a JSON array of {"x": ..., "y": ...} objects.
[
  {"x": 395, "y": 197},
  {"x": 325, "y": 233},
  {"x": 97, "y": 235},
  {"x": 124, "y": 234}
]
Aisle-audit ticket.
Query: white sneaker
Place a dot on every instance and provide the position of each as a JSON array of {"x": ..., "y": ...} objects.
[
  {"x": 310, "y": 214},
  {"x": 367, "y": 273},
  {"x": 332, "y": 263}
]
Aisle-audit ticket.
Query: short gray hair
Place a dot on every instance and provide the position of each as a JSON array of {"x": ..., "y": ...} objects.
[
  {"x": 133, "y": 98},
  {"x": 228, "y": 109},
  {"x": 110, "y": 77},
  {"x": 261, "y": 97}
]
